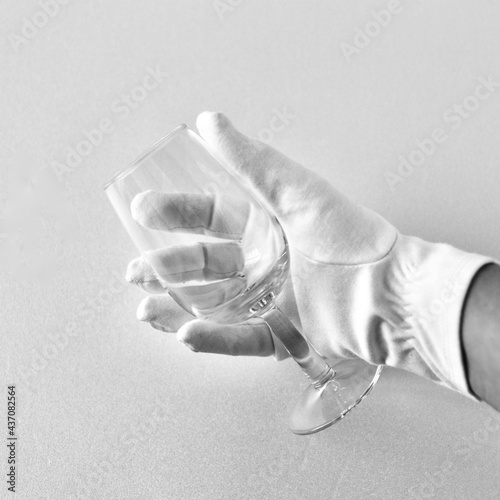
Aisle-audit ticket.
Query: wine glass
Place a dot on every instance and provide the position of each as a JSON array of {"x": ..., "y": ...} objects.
[{"x": 222, "y": 256}]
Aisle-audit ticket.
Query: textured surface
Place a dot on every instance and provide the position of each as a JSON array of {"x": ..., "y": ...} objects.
[{"x": 109, "y": 406}]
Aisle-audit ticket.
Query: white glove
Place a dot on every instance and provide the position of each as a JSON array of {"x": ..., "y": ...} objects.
[{"x": 358, "y": 288}]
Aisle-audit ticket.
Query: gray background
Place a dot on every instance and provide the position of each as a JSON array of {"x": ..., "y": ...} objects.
[{"x": 112, "y": 408}]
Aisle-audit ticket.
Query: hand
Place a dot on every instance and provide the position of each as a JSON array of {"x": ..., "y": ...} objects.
[
  {"x": 317, "y": 219},
  {"x": 357, "y": 287}
]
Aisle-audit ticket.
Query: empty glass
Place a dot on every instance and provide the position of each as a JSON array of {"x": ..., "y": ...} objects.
[{"x": 222, "y": 256}]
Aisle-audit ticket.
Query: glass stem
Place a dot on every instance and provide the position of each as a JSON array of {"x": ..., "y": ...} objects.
[{"x": 312, "y": 364}]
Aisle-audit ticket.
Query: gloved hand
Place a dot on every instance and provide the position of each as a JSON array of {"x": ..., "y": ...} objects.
[{"x": 358, "y": 288}]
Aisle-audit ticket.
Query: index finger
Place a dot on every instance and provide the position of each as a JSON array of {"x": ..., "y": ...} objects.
[{"x": 222, "y": 215}]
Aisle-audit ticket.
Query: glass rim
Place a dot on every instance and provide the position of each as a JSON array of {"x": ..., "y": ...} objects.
[{"x": 129, "y": 168}]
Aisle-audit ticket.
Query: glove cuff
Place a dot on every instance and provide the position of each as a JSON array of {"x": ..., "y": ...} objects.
[{"x": 437, "y": 283}]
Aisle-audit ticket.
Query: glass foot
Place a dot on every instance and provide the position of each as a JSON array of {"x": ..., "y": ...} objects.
[{"x": 320, "y": 407}]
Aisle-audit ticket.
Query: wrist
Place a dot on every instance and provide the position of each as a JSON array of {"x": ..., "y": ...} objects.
[{"x": 437, "y": 279}]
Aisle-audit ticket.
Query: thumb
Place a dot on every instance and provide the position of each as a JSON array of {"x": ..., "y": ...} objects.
[
  {"x": 285, "y": 186},
  {"x": 318, "y": 219}
]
